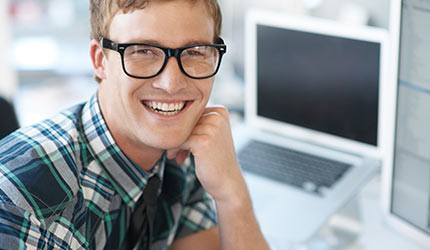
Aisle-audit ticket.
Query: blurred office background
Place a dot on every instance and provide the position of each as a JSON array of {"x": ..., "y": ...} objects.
[{"x": 45, "y": 64}]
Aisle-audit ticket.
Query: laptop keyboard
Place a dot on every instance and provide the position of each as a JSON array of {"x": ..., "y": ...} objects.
[{"x": 305, "y": 171}]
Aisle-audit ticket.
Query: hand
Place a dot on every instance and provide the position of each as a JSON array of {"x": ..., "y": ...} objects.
[
  {"x": 216, "y": 164},
  {"x": 218, "y": 171}
]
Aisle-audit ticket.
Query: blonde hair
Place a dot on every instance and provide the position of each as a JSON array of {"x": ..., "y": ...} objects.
[{"x": 103, "y": 11}]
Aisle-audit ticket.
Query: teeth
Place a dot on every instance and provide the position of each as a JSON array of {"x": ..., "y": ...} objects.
[
  {"x": 165, "y": 107},
  {"x": 168, "y": 109}
]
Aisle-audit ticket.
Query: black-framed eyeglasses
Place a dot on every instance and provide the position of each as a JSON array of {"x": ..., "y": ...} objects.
[{"x": 143, "y": 61}]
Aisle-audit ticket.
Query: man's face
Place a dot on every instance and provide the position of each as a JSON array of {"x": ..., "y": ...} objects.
[{"x": 125, "y": 100}]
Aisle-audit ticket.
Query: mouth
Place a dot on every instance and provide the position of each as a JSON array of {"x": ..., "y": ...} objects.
[{"x": 166, "y": 109}]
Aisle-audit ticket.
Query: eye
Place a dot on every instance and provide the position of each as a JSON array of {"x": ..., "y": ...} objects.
[
  {"x": 144, "y": 51},
  {"x": 193, "y": 52}
]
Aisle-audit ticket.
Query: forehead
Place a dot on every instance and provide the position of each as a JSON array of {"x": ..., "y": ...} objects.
[{"x": 170, "y": 23}]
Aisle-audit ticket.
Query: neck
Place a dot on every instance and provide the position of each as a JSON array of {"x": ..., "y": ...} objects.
[
  {"x": 141, "y": 154},
  {"x": 145, "y": 157}
]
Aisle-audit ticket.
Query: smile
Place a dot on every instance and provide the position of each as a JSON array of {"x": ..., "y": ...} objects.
[{"x": 168, "y": 109}]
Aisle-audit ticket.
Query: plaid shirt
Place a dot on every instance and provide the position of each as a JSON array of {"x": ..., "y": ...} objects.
[{"x": 65, "y": 184}]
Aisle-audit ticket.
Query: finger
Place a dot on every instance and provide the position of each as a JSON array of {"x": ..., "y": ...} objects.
[
  {"x": 218, "y": 109},
  {"x": 205, "y": 129},
  {"x": 216, "y": 106},
  {"x": 209, "y": 118},
  {"x": 213, "y": 118}
]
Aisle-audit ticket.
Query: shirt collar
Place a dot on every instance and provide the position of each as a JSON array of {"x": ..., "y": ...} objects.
[{"x": 127, "y": 178}]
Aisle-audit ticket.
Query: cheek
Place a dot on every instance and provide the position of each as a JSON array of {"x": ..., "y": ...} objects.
[
  {"x": 113, "y": 66},
  {"x": 121, "y": 84},
  {"x": 205, "y": 88}
]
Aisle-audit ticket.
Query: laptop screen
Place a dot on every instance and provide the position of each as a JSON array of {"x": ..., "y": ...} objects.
[{"x": 325, "y": 83}]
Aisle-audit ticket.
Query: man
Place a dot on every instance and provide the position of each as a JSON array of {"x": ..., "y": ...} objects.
[{"x": 82, "y": 178}]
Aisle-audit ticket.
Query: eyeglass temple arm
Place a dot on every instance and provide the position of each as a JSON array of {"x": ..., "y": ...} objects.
[
  {"x": 108, "y": 44},
  {"x": 220, "y": 41}
]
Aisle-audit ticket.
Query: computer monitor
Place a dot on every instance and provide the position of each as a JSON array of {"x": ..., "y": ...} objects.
[{"x": 407, "y": 175}]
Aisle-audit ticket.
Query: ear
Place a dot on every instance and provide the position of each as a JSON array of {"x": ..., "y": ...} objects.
[{"x": 97, "y": 58}]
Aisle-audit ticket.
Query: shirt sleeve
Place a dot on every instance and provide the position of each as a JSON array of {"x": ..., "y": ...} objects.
[
  {"x": 19, "y": 229},
  {"x": 199, "y": 211}
]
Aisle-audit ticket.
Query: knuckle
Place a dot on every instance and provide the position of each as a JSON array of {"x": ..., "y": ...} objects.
[
  {"x": 220, "y": 109},
  {"x": 223, "y": 111},
  {"x": 217, "y": 119}
]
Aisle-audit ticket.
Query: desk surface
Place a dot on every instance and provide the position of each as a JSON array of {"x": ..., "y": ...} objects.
[
  {"x": 376, "y": 234},
  {"x": 369, "y": 232}
]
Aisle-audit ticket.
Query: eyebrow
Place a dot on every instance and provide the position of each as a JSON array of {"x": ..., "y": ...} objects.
[{"x": 155, "y": 42}]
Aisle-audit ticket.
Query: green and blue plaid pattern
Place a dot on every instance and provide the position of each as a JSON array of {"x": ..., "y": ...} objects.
[{"x": 65, "y": 184}]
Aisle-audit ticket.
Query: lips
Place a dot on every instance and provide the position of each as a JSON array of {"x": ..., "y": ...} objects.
[{"x": 167, "y": 109}]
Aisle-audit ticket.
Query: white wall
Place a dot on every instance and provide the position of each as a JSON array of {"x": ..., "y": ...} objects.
[
  {"x": 378, "y": 10},
  {"x": 8, "y": 83}
]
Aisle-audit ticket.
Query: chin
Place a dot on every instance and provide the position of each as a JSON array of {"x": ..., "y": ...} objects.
[{"x": 167, "y": 141}]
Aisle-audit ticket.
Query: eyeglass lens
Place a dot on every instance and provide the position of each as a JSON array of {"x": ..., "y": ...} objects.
[{"x": 146, "y": 61}]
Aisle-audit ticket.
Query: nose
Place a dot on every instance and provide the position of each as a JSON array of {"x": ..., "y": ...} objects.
[{"x": 171, "y": 79}]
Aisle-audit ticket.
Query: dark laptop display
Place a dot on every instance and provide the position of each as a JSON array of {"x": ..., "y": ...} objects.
[{"x": 321, "y": 82}]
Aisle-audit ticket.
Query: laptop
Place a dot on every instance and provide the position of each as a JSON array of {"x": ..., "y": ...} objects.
[{"x": 314, "y": 117}]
